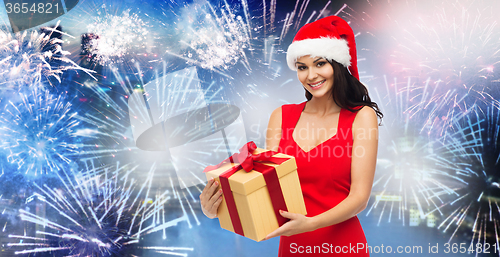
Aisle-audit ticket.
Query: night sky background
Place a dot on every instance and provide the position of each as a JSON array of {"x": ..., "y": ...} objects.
[{"x": 94, "y": 155}]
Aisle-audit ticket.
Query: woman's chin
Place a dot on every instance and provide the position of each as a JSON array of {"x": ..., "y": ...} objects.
[{"x": 319, "y": 95}]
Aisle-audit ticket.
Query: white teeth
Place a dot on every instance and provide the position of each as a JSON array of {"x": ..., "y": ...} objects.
[{"x": 319, "y": 84}]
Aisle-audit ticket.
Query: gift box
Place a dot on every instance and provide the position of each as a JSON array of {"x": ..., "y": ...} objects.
[{"x": 256, "y": 184}]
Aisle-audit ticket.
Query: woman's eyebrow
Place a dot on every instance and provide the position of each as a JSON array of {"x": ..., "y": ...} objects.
[
  {"x": 300, "y": 63},
  {"x": 318, "y": 59}
]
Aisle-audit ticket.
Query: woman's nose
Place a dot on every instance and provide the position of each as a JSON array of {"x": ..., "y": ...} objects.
[{"x": 312, "y": 75}]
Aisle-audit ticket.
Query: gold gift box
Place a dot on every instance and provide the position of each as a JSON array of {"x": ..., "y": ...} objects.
[{"x": 252, "y": 199}]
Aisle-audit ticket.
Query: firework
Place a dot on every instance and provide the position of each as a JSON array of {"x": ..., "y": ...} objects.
[
  {"x": 446, "y": 59},
  {"x": 449, "y": 182},
  {"x": 412, "y": 185},
  {"x": 39, "y": 132},
  {"x": 441, "y": 110},
  {"x": 31, "y": 59},
  {"x": 213, "y": 38},
  {"x": 103, "y": 211},
  {"x": 115, "y": 36},
  {"x": 397, "y": 167},
  {"x": 474, "y": 156}
]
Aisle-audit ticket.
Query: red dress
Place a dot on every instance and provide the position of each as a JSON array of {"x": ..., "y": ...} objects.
[{"x": 325, "y": 179}]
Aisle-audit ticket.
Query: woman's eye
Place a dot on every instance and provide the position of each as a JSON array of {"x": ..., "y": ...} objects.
[
  {"x": 320, "y": 64},
  {"x": 301, "y": 67}
]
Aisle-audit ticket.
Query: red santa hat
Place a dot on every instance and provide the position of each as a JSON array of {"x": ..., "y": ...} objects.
[{"x": 331, "y": 38}]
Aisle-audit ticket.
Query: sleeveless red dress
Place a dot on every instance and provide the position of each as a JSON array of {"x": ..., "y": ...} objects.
[{"x": 325, "y": 178}]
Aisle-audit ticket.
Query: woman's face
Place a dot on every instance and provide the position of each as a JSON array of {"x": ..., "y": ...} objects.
[{"x": 315, "y": 74}]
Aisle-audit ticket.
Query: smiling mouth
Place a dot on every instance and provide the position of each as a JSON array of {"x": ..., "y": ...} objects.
[{"x": 317, "y": 84}]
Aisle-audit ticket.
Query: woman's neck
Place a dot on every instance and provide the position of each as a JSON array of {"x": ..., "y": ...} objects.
[{"x": 322, "y": 106}]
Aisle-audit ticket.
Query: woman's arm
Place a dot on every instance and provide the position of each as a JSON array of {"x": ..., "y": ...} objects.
[
  {"x": 364, "y": 157},
  {"x": 273, "y": 133}
]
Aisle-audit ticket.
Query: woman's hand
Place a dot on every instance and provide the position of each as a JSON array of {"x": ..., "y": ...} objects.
[
  {"x": 211, "y": 198},
  {"x": 297, "y": 224}
]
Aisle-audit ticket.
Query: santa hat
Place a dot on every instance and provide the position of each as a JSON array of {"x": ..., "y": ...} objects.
[{"x": 331, "y": 38}]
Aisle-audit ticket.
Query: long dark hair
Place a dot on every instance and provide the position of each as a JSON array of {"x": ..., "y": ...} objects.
[{"x": 348, "y": 92}]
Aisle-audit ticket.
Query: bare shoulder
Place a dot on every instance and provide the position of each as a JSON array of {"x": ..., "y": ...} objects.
[
  {"x": 277, "y": 111},
  {"x": 276, "y": 116},
  {"x": 273, "y": 134},
  {"x": 365, "y": 118}
]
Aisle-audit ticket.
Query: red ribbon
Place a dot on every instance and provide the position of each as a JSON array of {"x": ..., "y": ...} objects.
[{"x": 249, "y": 162}]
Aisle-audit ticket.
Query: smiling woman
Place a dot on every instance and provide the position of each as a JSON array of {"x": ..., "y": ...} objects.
[{"x": 334, "y": 139}]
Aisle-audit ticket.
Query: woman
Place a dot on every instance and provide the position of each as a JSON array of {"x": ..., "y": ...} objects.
[{"x": 334, "y": 138}]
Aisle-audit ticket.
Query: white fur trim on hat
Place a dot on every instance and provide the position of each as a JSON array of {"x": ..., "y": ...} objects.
[{"x": 328, "y": 48}]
